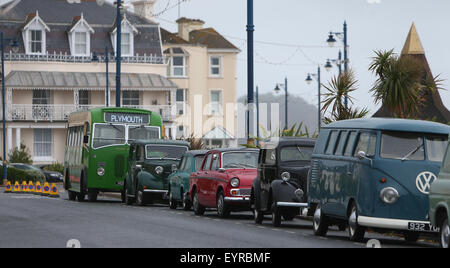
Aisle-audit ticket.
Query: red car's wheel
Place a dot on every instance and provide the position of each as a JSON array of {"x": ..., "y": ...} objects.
[
  {"x": 198, "y": 209},
  {"x": 222, "y": 208}
]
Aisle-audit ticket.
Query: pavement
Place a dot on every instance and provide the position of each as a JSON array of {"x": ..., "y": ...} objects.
[{"x": 42, "y": 222}]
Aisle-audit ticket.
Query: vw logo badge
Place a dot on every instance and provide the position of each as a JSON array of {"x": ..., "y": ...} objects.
[{"x": 424, "y": 181}]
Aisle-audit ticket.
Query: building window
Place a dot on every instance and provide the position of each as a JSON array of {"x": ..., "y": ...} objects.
[
  {"x": 131, "y": 98},
  {"x": 83, "y": 97},
  {"x": 216, "y": 102},
  {"x": 178, "y": 66},
  {"x": 36, "y": 42},
  {"x": 43, "y": 141},
  {"x": 126, "y": 44},
  {"x": 41, "y": 97},
  {"x": 81, "y": 43},
  {"x": 215, "y": 66}
]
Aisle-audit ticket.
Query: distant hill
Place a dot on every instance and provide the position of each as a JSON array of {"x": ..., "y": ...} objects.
[{"x": 298, "y": 109}]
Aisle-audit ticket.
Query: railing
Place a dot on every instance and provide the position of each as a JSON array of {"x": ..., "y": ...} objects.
[
  {"x": 50, "y": 113},
  {"x": 148, "y": 59}
]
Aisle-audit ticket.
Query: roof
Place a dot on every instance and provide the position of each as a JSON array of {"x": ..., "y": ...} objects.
[
  {"x": 238, "y": 149},
  {"x": 288, "y": 141},
  {"x": 413, "y": 45},
  {"x": 161, "y": 142},
  {"x": 93, "y": 81},
  {"x": 196, "y": 152},
  {"x": 433, "y": 109},
  {"x": 187, "y": 20},
  {"x": 390, "y": 124},
  {"x": 218, "y": 133},
  {"x": 59, "y": 16}
]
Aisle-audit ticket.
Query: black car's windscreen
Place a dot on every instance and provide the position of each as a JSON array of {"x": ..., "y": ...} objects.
[
  {"x": 240, "y": 160},
  {"x": 296, "y": 153},
  {"x": 165, "y": 151}
]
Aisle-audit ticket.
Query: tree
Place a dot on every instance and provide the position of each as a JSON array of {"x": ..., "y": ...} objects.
[
  {"x": 340, "y": 87},
  {"x": 399, "y": 84},
  {"x": 21, "y": 155}
]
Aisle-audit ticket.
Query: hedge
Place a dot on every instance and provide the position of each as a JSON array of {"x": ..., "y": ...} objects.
[{"x": 14, "y": 174}]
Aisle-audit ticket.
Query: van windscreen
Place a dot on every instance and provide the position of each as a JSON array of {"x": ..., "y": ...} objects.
[
  {"x": 403, "y": 146},
  {"x": 436, "y": 146}
]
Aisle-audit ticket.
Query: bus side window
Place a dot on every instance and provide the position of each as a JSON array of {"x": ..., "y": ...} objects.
[
  {"x": 367, "y": 143},
  {"x": 332, "y": 142}
]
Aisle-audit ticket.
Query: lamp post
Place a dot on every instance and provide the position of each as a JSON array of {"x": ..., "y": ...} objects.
[
  {"x": 309, "y": 80},
  {"x": 338, "y": 62},
  {"x": 331, "y": 41},
  {"x": 277, "y": 89},
  {"x": 250, "y": 69},
  {"x": 118, "y": 50},
  {"x": 15, "y": 47},
  {"x": 96, "y": 59}
]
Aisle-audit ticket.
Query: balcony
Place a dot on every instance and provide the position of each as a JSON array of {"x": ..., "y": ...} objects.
[
  {"x": 146, "y": 59},
  {"x": 52, "y": 113}
]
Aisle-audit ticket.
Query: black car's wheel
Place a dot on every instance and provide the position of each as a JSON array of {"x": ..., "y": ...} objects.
[
  {"x": 140, "y": 198},
  {"x": 186, "y": 202},
  {"x": 411, "y": 237},
  {"x": 320, "y": 222},
  {"x": 93, "y": 196},
  {"x": 81, "y": 197},
  {"x": 288, "y": 217},
  {"x": 259, "y": 216},
  {"x": 222, "y": 208},
  {"x": 276, "y": 216},
  {"x": 445, "y": 234},
  {"x": 72, "y": 195},
  {"x": 198, "y": 208},
  {"x": 355, "y": 231},
  {"x": 172, "y": 203},
  {"x": 128, "y": 199}
]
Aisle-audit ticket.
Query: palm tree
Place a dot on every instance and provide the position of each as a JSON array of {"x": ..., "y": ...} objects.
[
  {"x": 399, "y": 83},
  {"x": 340, "y": 87}
]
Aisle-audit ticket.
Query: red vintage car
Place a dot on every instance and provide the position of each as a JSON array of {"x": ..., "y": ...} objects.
[{"x": 224, "y": 181}]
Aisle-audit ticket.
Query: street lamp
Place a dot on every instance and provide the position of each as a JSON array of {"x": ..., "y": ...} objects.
[
  {"x": 15, "y": 48},
  {"x": 309, "y": 80},
  {"x": 337, "y": 61},
  {"x": 277, "y": 90},
  {"x": 331, "y": 42},
  {"x": 95, "y": 58}
]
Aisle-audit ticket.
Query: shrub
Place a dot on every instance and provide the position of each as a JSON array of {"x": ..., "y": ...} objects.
[
  {"x": 14, "y": 174},
  {"x": 21, "y": 155},
  {"x": 57, "y": 167}
]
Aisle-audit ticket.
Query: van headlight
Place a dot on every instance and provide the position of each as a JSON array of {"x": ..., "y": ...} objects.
[
  {"x": 101, "y": 171},
  {"x": 159, "y": 170},
  {"x": 389, "y": 195},
  {"x": 234, "y": 182},
  {"x": 285, "y": 176}
]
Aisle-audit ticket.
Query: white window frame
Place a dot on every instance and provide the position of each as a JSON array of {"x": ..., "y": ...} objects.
[
  {"x": 127, "y": 28},
  {"x": 212, "y": 103},
  {"x": 173, "y": 67},
  {"x": 43, "y": 158},
  {"x": 220, "y": 66},
  {"x": 80, "y": 27},
  {"x": 86, "y": 44},
  {"x": 36, "y": 24},
  {"x": 131, "y": 98}
]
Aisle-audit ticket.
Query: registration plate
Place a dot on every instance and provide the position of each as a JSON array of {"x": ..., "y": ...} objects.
[{"x": 422, "y": 227}]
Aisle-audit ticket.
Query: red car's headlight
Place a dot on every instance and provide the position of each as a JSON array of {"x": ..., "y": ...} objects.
[{"x": 234, "y": 182}]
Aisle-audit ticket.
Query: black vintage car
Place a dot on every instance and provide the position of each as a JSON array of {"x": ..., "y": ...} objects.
[
  {"x": 281, "y": 185},
  {"x": 149, "y": 166}
]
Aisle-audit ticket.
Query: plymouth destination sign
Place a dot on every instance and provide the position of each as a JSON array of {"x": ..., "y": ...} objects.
[{"x": 125, "y": 118}]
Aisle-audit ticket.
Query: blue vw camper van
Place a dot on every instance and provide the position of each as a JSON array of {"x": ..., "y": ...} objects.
[{"x": 375, "y": 173}]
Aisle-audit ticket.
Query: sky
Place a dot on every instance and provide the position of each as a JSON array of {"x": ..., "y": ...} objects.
[{"x": 291, "y": 37}]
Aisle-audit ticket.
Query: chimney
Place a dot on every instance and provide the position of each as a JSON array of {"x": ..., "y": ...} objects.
[
  {"x": 144, "y": 8},
  {"x": 185, "y": 26}
]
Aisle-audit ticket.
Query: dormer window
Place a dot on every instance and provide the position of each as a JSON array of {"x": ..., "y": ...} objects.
[
  {"x": 80, "y": 37},
  {"x": 127, "y": 38},
  {"x": 34, "y": 35}
]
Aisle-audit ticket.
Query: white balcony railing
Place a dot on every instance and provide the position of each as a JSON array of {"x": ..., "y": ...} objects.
[
  {"x": 148, "y": 59},
  {"x": 50, "y": 113}
]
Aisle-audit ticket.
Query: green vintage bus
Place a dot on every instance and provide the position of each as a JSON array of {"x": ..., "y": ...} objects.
[{"x": 97, "y": 148}]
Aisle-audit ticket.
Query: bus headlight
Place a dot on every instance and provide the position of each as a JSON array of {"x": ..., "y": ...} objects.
[
  {"x": 159, "y": 170},
  {"x": 101, "y": 171},
  {"x": 235, "y": 182},
  {"x": 389, "y": 195}
]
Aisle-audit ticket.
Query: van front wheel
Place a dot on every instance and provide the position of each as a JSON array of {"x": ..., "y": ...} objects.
[
  {"x": 356, "y": 232},
  {"x": 320, "y": 222}
]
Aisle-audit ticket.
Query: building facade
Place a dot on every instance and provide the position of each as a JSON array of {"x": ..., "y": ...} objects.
[{"x": 55, "y": 64}]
